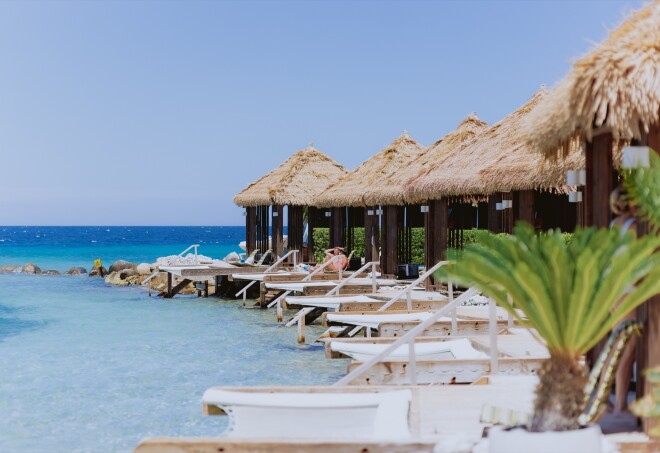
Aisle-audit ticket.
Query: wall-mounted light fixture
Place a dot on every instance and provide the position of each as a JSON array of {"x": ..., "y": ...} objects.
[
  {"x": 424, "y": 208},
  {"x": 575, "y": 197},
  {"x": 328, "y": 213},
  {"x": 572, "y": 178},
  {"x": 636, "y": 157},
  {"x": 245, "y": 213},
  {"x": 379, "y": 212},
  {"x": 370, "y": 212},
  {"x": 498, "y": 206}
]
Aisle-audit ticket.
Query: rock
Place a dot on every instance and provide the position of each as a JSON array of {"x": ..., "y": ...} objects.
[
  {"x": 124, "y": 274},
  {"x": 30, "y": 268},
  {"x": 50, "y": 272},
  {"x": 120, "y": 265},
  {"x": 10, "y": 268},
  {"x": 144, "y": 269},
  {"x": 114, "y": 278},
  {"x": 76, "y": 271},
  {"x": 232, "y": 258},
  {"x": 95, "y": 272}
]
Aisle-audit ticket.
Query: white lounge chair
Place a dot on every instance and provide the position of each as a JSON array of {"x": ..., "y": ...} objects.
[
  {"x": 343, "y": 415},
  {"x": 452, "y": 349}
]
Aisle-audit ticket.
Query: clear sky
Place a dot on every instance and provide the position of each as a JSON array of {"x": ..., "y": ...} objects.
[{"x": 158, "y": 113}]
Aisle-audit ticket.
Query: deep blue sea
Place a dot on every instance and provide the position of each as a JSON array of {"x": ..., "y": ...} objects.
[{"x": 85, "y": 367}]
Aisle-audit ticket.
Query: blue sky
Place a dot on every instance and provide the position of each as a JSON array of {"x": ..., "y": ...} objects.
[{"x": 158, "y": 113}]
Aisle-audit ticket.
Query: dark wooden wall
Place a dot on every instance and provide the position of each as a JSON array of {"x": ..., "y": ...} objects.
[
  {"x": 296, "y": 230},
  {"x": 277, "y": 222},
  {"x": 494, "y": 216},
  {"x": 251, "y": 229},
  {"x": 390, "y": 234},
  {"x": 262, "y": 228},
  {"x": 435, "y": 233}
]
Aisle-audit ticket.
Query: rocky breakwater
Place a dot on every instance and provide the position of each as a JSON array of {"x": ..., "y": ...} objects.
[
  {"x": 124, "y": 273},
  {"x": 28, "y": 268}
]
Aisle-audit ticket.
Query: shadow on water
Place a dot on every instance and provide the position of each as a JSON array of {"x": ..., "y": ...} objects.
[{"x": 15, "y": 326}]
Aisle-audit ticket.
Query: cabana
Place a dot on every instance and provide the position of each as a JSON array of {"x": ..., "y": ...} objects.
[
  {"x": 476, "y": 169},
  {"x": 296, "y": 184},
  {"x": 384, "y": 212},
  {"x": 611, "y": 96},
  {"x": 436, "y": 220}
]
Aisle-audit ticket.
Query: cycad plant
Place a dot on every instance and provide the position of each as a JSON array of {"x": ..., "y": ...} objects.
[
  {"x": 572, "y": 295},
  {"x": 643, "y": 186}
]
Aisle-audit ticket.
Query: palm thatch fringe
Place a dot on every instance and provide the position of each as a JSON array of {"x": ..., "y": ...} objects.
[
  {"x": 496, "y": 160},
  {"x": 297, "y": 182},
  {"x": 614, "y": 88},
  {"x": 470, "y": 127},
  {"x": 367, "y": 184}
]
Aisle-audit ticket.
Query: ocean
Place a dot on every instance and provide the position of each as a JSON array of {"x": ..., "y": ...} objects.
[{"x": 86, "y": 367}]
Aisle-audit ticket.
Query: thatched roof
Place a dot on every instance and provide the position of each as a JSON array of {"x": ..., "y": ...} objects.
[
  {"x": 297, "y": 182},
  {"x": 367, "y": 184},
  {"x": 496, "y": 160},
  {"x": 615, "y": 88},
  {"x": 466, "y": 131}
]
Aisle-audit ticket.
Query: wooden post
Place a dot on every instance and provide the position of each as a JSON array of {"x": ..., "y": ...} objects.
[
  {"x": 523, "y": 204},
  {"x": 251, "y": 229},
  {"x": 648, "y": 350},
  {"x": 371, "y": 234},
  {"x": 435, "y": 234},
  {"x": 277, "y": 223},
  {"x": 391, "y": 228},
  {"x": 169, "y": 284},
  {"x": 312, "y": 222},
  {"x": 598, "y": 155}
]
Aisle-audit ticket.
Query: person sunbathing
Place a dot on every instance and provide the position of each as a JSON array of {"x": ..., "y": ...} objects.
[{"x": 340, "y": 262}]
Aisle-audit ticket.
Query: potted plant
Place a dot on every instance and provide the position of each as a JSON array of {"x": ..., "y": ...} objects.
[{"x": 572, "y": 294}]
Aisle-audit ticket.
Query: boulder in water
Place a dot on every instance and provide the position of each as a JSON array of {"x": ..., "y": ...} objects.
[
  {"x": 144, "y": 269},
  {"x": 120, "y": 265},
  {"x": 50, "y": 272},
  {"x": 31, "y": 268},
  {"x": 10, "y": 268},
  {"x": 96, "y": 272},
  {"x": 76, "y": 271}
]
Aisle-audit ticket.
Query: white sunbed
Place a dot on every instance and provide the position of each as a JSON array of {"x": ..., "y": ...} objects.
[
  {"x": 260, "y": 277},
  {"x": 300, "y": 286},
  {"x": 348, "y": 416},
  {"x": 452, "y": 349},
  {"x": 372, "y": 321},
  {"x": 331, "y": 302}
]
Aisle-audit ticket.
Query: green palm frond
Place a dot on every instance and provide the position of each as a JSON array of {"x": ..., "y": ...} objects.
[
  {"x": 572, "y": 294},
  {"x": 643, "y": 186}
]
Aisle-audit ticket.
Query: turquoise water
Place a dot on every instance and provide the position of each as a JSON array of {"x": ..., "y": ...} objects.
[
  {"x": 61, "y": 248},
  {"x": 85, "y": 367}
]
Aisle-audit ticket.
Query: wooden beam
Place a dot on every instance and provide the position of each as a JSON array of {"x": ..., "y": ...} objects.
[
  {"x": 278, "y": 230},
  {"x": 371, "y": 234},
  {"x": 600, "y": 168},
  {"x": 250, "y": 228}
]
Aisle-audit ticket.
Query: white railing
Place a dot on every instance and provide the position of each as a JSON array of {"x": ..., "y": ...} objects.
[
  {"x": 374, "y": 281},
  {"x": 298, "y": 317},
  {"x": 195, "y": 247},
  {"x": 273, "y": 266},
  {"x": 407, "y": 290},
  {"x": 409, "y": 338},
  {"x": 306, "y": 279},
  {"x": 157, "y": 271}
]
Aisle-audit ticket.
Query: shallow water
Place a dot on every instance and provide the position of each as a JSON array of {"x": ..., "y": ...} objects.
[{"x": 85, "y": 367}]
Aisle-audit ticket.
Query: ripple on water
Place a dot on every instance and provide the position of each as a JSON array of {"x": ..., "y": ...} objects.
[{"x": 91, "y": 368}]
